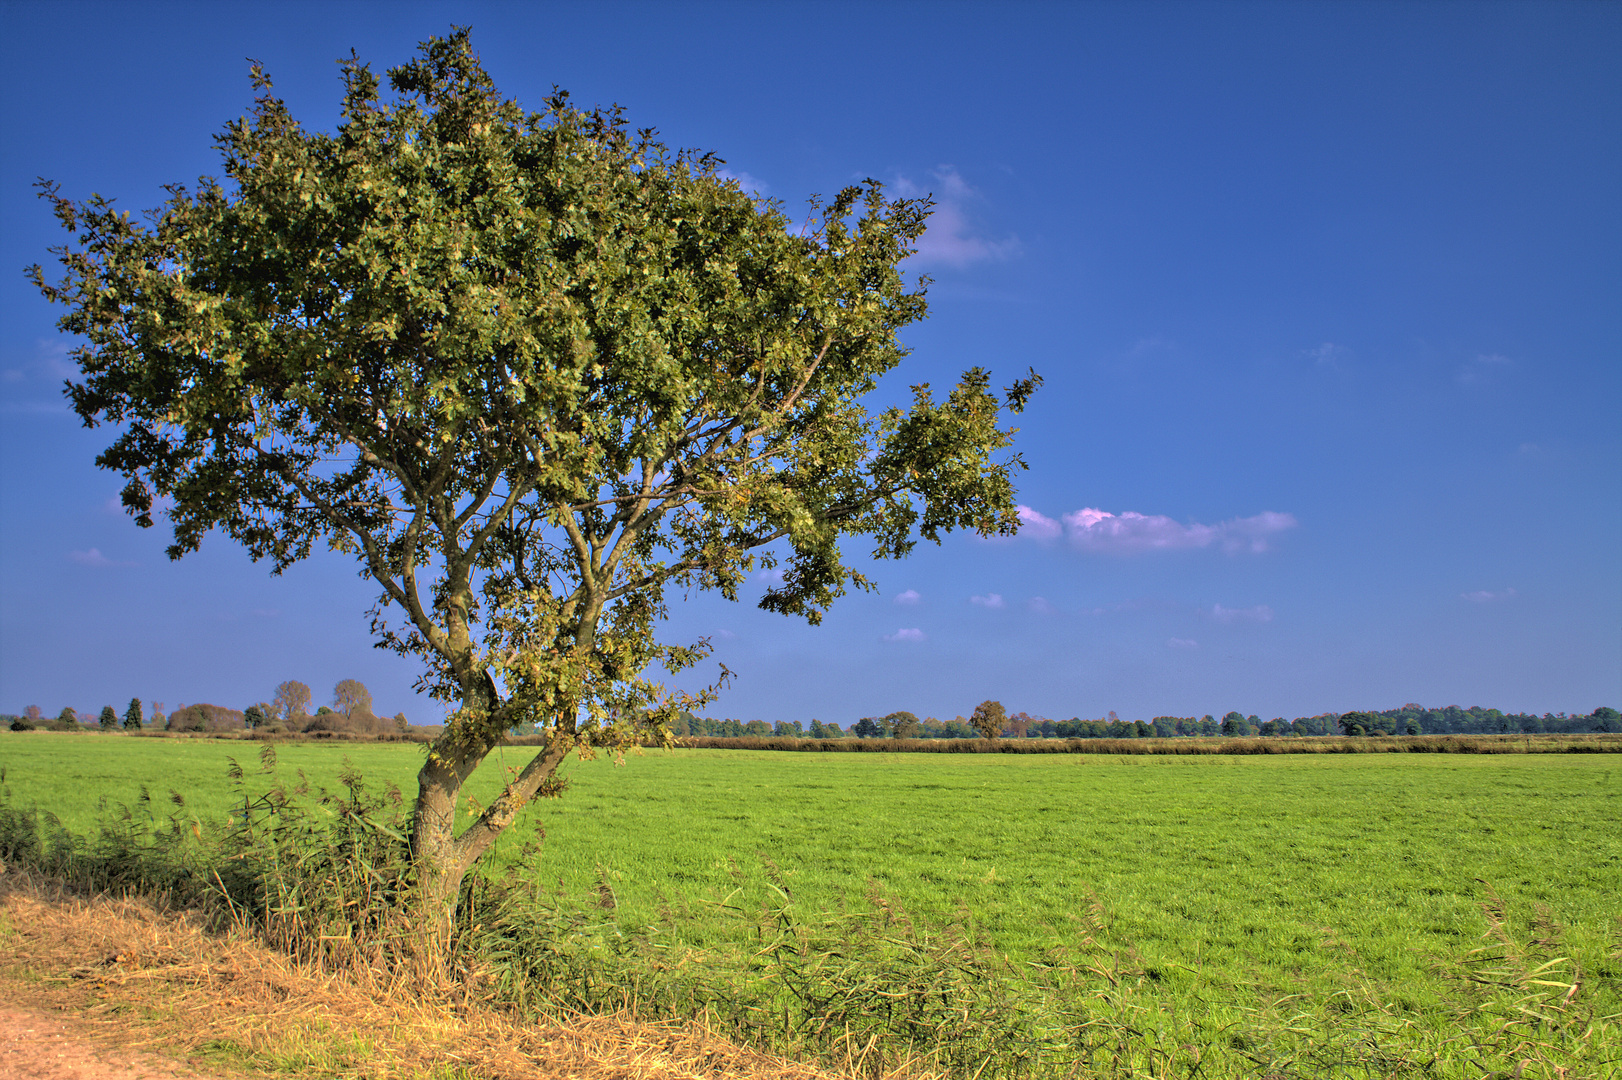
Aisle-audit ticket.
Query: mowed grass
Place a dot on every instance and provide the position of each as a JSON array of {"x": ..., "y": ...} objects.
[{"x": 1243, "y": 878}]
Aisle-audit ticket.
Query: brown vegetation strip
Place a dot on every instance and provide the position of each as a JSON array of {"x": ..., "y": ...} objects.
[{"x": 153, "y": 981}]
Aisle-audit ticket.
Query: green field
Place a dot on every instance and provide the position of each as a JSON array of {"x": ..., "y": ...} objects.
[{"x": 1222, "y": 879}]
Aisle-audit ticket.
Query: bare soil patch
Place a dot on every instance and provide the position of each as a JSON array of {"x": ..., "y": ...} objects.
[{"x": 116, "y": 988}]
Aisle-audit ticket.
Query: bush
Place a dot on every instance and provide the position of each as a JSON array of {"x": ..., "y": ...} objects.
[{"x": 208, "y": 718}]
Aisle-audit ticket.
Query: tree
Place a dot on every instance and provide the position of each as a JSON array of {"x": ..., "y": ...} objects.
[
  {"x": 133, "y": 720},
  {"x": 107, "y": 719},
  {"x": 1356, "y": 723},
  {"x": 256, "y": 716},
  {"x": 988, "y": 719},
  {"x": 292, "y": 699},
  {"x": 903, "y": 724},
  {"x": 351, "y": 696},
  {"x": 531, "y": 370},
  {"x": 867, "y": 727}
]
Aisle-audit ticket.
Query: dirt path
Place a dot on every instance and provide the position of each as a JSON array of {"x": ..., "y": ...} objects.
[{"x": 38, "y": 1046}]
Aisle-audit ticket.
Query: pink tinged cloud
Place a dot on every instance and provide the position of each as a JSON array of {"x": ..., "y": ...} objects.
[
  {"x": 909, "y": 598},
  {"x": 990, "y": 600},
  {"x": 1095, "y": 530},
  {"x": 906, "y": 634},
  {"x": 1038, "y": 526}
]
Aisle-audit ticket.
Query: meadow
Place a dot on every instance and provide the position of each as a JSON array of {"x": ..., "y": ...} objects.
[{"x": 1220, "y": 887}]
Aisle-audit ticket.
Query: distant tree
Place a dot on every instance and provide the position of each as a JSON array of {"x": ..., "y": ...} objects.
[
  {"x": 988, "y": 719},
  {"x": 758, "y": 727},
  {"x": 68, "y": 716},
  {"x": 867, "y": 728},
  {"x": 1605, "y": 718},
  {"x": 351, "y": 696},
  {"x": 401, "y": 724},
  {"x": 133, "y": 719},
  {"x": 1234, "y": 724},
  {"x": 1356, "y": 723},
  {"x": 256, "y": 716},
  {"x": 24, "y": 723},
  {"x": 32, "y": 713},
  {"x": 108, "y": 720},
  {"x": 1019, "y": 725},
  {"x": 903, "y": 724},
  {"x": 292, "y": 700},
  {"x": 323, "y": 711},
  {"x": 788, "y": 729}
]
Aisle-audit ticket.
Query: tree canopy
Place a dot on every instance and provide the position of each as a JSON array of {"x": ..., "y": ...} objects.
[{"x": 532, "y": 370}]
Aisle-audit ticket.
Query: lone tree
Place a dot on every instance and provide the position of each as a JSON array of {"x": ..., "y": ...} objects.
[
  {"x": 988, "y": 719},
  {"x": 132, "y": 715},
  {"x": 292, "y": 700},
  {"x": 351, "y": 696},
  {"x": 108, "y": 720},
  {"x": 532, "y": 370}
]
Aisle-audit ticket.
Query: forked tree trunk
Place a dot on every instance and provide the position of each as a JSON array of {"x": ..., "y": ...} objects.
[{"x": 441, "y": 857}]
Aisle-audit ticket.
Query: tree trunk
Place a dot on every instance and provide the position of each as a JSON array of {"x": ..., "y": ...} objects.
[{"x": 440, "y": 857}]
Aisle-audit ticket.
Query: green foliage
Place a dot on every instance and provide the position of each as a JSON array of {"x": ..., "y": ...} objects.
[
  {"x": 108, "y": 720},
  {"x": 133, "y": 720}
]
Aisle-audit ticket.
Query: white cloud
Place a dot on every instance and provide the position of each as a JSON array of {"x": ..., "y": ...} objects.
[
  {"x": 951, "y": 239},
  {"x": 1091, "y": 529},
  {"x": 95, "y": 558},
  {"x": 1482, "y": 596},
  {"x": 725, "y": 635},
  {"x": 771, "y": 575},
  {"x": 909, "y": 598},
  {"x": 990, "y": 600},
  {"x": 1182, "y": 643},
  {"x": 1260, "y": 613},
  {"x": 1038, "y": 526},
  {"x": 906, "y": 634},
  {"x": 1040, "y": 606}
]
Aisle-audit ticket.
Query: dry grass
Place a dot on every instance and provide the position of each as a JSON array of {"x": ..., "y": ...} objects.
[{"x": 154, "y": 980}]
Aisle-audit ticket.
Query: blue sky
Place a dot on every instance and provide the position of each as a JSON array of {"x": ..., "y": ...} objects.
[{"x": 1328, "y": 296}]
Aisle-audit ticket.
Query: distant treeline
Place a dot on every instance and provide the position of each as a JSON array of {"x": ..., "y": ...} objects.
[
  {"x": 1312, "y": 744},
  {"x": 1408, "y": 720}
]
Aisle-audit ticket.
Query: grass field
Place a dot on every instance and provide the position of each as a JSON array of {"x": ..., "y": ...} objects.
[{"x": 1225, "y": 882}]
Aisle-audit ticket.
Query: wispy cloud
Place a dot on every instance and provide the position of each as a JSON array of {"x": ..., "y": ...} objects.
[
  {"x": 725, "y": 635},
  {"x": 906, "y": 634},
  {"x": 1483, "y": 596},
  {"x": 1328, "y": 355},
  {"x": 751, "y": 185},
  {"x": 952, "y": 238},
  {"x": 1095, "y": 530},
  {"x": 1482, "y": 366},
  {"x": 910, "y": 598},
  {"x": 1259, "y": 614},
  {"x": 1181, "y": 643},
  {"x": 990, "y": 600},
  {"x": 1040, "y": 606},
  {"x": 95, "y": 558},
  {"x": 771, "y": 575}
]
